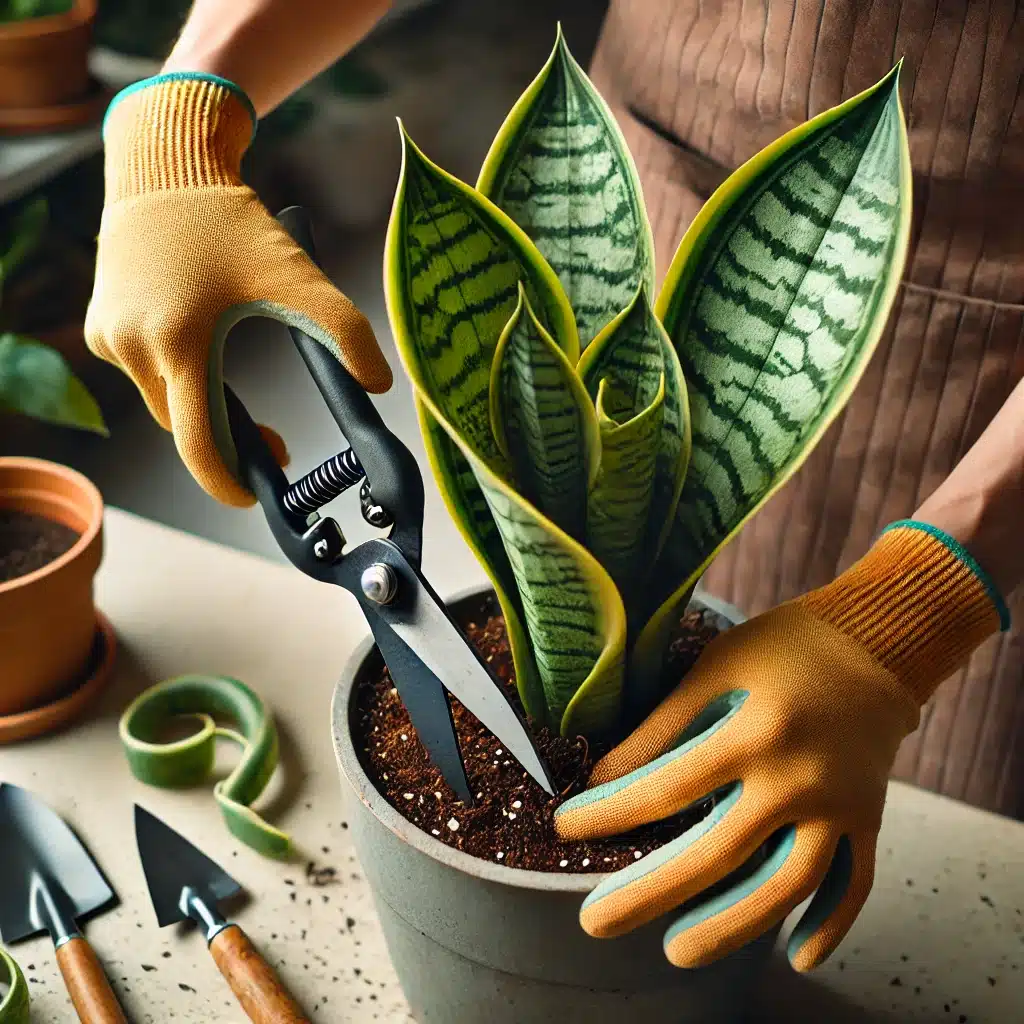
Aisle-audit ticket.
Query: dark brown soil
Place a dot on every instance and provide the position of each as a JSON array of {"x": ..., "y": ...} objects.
[
  {"x": 28, "y": 542},
  {"x": 511, "y": 820}
]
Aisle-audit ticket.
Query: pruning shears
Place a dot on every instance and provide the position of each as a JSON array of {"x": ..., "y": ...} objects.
[{"x": 426, "y": 653}]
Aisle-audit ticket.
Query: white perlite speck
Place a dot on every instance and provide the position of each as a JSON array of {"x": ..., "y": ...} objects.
[
  {"x": 563, "y": 863},
  {"x": 586, "y": 862},
  {"x": 434, "y": 832},
  {"x": 511, "y": 816},
  {"x": 499, "y": 855},
  {"x": 500, "y": 752},
  {"x": 394, "y": 691},
  {"x": 637, "y": 854},
  {"x": 453, "y": 824},
  {"x": 408, "y": 796},
  {"x": 516, "y": 804},
  {"x": 404, "y": 737}
]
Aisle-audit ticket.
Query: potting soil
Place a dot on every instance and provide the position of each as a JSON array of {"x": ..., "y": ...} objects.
[
  {"x": 28, "y": 542},
  {"x": 511, "y": 819}
]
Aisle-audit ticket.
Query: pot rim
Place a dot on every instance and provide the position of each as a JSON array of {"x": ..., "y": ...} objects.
[
  {"x": 405, "y": 830},
  {"x": 82, "y": 12},
  {"x": 88, "y": 535}
]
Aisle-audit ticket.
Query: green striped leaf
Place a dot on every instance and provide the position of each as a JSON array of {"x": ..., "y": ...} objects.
[
  {"x": 571, "y": 611},
  {"x": 776, "y": 299},
  {"x": 468, "y": 508},
  {"x": 561, "y": 169},
  {"x": 453, "y": 267},
  {"x": 635, "y": 355},
  {"x": 574, "y": 615},
  {"x": 620, "y": 502},
  {"x": 454, "y": 264},
  {"x": 543, "y": 421}
]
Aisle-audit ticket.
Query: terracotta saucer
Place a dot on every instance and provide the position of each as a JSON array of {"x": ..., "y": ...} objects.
[
  {"x": 57, "y": 118},
  {"x": 65, "y": 709}
]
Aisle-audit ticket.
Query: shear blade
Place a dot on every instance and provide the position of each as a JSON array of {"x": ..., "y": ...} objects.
[
  {"x": 433, "y": 649},
  {"x": 424, "y": 698},
  {"x": 447, "y": 655}
]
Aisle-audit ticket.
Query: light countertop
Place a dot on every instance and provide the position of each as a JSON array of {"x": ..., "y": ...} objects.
[{"x": 942, "y": 937}]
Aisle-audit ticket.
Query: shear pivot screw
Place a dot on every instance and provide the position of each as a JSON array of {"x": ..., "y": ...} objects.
[
  {"x": 321, "y": 549},
  {"x": 379, "y": 583}
]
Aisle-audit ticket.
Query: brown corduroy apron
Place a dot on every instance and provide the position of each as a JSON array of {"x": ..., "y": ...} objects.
[{"x": 701, "y": 85}]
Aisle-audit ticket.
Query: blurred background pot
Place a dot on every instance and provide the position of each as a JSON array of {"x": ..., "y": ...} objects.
[
  {"x": 475, "y": 941},
  {"x": 44, "y": 57},
  {"x": 48, "y": 621}
]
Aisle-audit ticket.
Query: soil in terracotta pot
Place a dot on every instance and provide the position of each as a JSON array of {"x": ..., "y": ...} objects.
[
  {"x": 511, "y": 820},
  {"x": 28, "y": 542}
]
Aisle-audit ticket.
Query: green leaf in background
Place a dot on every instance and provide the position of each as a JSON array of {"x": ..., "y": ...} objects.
[
  {"x": 472, "y": 516},
  {"x": 775, "y": 300},
  {"x": 453, "y": 267},
  {"x": 36, "y": 381},
  {"x": 637, "y": 358},
  {"x": 620, "y": 502},
  {"x": 543, "y": 421},
  {"x": 22, "y": 10},
  {"x": 560, "y": 168},
  {"x": 21, "y": 231}
]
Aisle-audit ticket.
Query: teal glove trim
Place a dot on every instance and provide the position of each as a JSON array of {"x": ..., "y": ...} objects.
[
  {"x": 737, "y": 886},
  {"x": 828, "y": 897},
  {"x": 658, "y": 858},
  {"x": 959, "y": 551},
  {"x": 183, "y": 76},
  {"x": 706, "y": 724},
  {"x": 188, "y": 762},
  {"x": 14, "y": 1007}
]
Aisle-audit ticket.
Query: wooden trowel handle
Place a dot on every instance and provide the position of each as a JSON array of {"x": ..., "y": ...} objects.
[
  {"x": 94, "y": 999},
  {"x": 253, "y": 981}
]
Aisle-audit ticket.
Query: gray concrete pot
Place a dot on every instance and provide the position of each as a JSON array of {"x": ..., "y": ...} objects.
[{"x": 475, "y": 942}]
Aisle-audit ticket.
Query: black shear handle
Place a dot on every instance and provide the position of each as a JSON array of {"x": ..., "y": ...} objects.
[{"x": 391, "y": 469}]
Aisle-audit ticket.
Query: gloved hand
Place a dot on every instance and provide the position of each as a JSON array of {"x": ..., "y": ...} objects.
[
  {"x": 186, "y": 250},
  {"x": 793, "y": 719}
]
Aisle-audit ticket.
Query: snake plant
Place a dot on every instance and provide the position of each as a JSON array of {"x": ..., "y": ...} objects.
[{"x": 596, "y": 442}]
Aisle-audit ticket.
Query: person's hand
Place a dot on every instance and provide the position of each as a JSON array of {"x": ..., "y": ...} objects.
[
  {"x": 793, "y": 720},
  {"x": 186, "y": 250}
]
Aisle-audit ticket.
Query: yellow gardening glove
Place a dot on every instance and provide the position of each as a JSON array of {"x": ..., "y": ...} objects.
[
  {"x": 185, "y": 252},
  {"x": 793, "y": 719}
]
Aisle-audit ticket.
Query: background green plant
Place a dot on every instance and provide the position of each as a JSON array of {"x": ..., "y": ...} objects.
[
  {"x": 35, "y": 380},
  {"x": 597, "y": 448},
  {"x": 22, "y": 10}
]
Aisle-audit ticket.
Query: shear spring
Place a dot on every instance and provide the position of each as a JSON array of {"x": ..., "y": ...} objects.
[
  {"x": 327, "y": 481},
  {"x": 324, "y": 484}
]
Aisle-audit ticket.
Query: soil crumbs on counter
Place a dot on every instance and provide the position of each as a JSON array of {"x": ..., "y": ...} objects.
[
  {"x": 512, "y": 819},
  {"x": 28, "y": 542}
]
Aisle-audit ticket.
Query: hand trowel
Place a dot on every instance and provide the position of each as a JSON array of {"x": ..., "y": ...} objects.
[
  {"x": 184, "y": 883},
  {"x": 48, "y": 882}
]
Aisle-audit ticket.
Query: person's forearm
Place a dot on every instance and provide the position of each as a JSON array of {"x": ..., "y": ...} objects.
[
  {"x": 270, "y": 47},
  {"x": 981, "y": 503}
]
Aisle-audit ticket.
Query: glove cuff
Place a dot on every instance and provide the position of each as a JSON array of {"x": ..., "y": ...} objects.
[
  {"x": 175, "y": 131},
  {"x": 918, "y": 601}
]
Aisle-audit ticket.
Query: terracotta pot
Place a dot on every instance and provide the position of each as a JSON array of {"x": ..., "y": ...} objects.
[
  {"x": 475, "y": 941},
  {"x": 44, "y": 62},
  {"x": 48, "y": 621}
]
